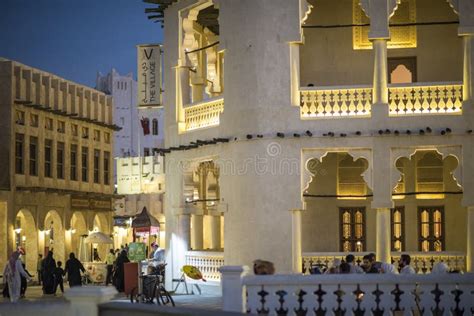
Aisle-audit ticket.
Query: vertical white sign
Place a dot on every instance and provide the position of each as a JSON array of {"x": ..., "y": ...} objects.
[{"x": 149, "y": 75}]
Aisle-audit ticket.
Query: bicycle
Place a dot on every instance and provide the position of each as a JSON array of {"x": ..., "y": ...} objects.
[{"x": 152, "y": 288}]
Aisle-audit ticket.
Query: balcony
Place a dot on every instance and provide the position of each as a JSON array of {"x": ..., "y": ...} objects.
[
  {"x": 334, "y": 102},
  {"x": 438, "y": 98},
  {"x": 208, "y": 262},
  {"x": 425, "y": 98},
  {"x": 422, "y": 262},
  {"x": 203, "y": 114}
]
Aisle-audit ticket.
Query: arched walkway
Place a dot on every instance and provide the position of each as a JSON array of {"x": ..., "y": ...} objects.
[
  {"x": 101, "y": 224},
  {"x": 54, "y": 235},
  {"x": 26, "y": 237},
  {"x": 78, "y": 229}
]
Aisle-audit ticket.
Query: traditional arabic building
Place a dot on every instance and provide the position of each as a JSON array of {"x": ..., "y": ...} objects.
[{"x": 303, "y": 130}]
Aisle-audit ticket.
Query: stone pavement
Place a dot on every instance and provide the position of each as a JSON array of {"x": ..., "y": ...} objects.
[{"x": 209, "y": 301}]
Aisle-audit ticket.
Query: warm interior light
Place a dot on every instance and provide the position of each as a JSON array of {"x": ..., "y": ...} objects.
[{"x": 17, "y": 230}]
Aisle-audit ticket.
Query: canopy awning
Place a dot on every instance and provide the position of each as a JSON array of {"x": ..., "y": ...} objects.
[{"x": 144, "y": 219}]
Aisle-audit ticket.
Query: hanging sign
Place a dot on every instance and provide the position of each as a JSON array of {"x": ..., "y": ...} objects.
[{"x": 149, "y": 75}]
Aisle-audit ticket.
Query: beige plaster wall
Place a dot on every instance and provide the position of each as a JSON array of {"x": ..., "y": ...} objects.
[{"x": 328, "y": 58}]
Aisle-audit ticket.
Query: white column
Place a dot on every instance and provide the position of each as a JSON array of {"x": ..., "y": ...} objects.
[
  {"x": 184, "y": 231},
  {"x": 295, "y": 73},
  {"x": 296, "y": 241},
  {"x": 182, "y": 93},
  {"x": 470, "y": 240},
  {"x": 468, "y": 71},
  {"x": 233, "y": 292},
  {"x": 383, "y": 234},
  {"x": 380, "y": 92},
  {"x": 215, "y": 232},
  {"x": 197, "y": 232}
]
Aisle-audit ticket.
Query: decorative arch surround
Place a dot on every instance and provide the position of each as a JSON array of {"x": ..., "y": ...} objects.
[
  {"x": 27, "y": 238},
  {"x": 408, "y": 152},
  {"x": 309, "y": 155},
  {"x": 56, "y": 233}
]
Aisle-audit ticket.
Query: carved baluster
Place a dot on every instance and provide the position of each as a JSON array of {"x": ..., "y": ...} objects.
[
  {"x": 359, "y": 296},
  {"x": 300, "y": 311},
  {"x": 319, "y": 293},
  {"x": 339, "y": 311},
  {"x": 321, "y": 103},
  {"x": 377, "y": 311},
  {"x": 281, "y": 299},
  {"x": 457, "y": 298},
  {"x": 417, "y": 294},
  {"x": 262, "y": 310},
  {"x": 437, "y": 311},
  {"x": 397, "y": 293}
]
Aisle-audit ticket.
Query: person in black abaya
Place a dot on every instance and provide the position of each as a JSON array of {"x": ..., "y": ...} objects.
[
  {"x": 49, "y": 265},
  {"x": 119, "y": 275},
  {"x": 73, "y": 269}
]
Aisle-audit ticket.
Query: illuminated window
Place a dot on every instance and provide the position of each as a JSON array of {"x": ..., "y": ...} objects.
[
  {"x": 350, "y": 182},
  {"x": 352, "y": 229},
  {"x": 397, "y": 220},
  {"x": 400, "y": 37},
  {"x": 431, "y": 228},
  {"x": 429, "y": 176},
  {"x": 401, "y": 69}
]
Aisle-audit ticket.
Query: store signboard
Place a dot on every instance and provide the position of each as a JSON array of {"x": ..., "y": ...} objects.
[{"x": 136, "y": 251}]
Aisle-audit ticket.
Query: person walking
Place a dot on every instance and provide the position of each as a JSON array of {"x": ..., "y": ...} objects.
[
  {"x": 58, "y": 278},
  {"x": 73, "y": 269},
  {"x": 24, "y": 281},
  {"x": 39, "y": 268},
  {"x": 109, "y": 260},
  {"x": 119, "y": 275},
  {"x": 12, "y": 276},
  {"x": 49, "y": 265}
]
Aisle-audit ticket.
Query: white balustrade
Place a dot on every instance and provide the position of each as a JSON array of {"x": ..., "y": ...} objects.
[
  {"x": 330, "y": 102},
  {"x": 352, "y": 294},
  {"x": 208, "y": 262},
  {"x": 203, "y": 114},
  {"x": 425, "y": 98},
  {"x": 422, "y": 262}
]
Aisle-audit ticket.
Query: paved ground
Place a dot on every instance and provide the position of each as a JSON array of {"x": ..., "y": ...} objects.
[{"x": 204, "y": 301}]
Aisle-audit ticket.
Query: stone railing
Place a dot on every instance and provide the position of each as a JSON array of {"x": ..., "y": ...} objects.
[
  {"x": 351, "y": 294},
  {"x": 327, "y": 102},
  {"x": 203, "y": 114},
  {"x": 422, "y": 262},
  {"x": 326, "y": 259},
  {"x": 208, "y": 262},
  {"x": 425, "y": 98}
]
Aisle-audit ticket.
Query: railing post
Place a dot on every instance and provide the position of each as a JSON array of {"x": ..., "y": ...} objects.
[
  {"x": 233, "y": 291},
  {"x": 85, "y": 300}
]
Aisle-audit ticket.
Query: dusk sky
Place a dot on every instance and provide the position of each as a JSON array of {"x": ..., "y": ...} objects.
[{"x": 75, "y": 39}]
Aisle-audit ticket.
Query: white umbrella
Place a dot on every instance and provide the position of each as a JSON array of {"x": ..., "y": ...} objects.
[{"x": 98, "y": 238}]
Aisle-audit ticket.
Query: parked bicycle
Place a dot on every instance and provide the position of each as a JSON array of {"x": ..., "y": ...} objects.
[{"x": 152, "y": 289}]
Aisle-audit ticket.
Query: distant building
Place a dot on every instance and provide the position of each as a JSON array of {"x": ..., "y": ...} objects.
[
  {"x": 133, "y": 135},
  {"x": 56, "y": 157}
]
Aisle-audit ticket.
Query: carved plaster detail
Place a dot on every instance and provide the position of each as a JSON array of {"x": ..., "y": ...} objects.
[
  {"x": 305, "y": 10},
  {"x": 454, "y": 4},
  {"x": 408, "y": 152}
]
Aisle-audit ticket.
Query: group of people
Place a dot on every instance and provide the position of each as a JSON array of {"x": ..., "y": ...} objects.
[
  {"x": 51, "y": 273},
  {"x": 371, "y": 265}
]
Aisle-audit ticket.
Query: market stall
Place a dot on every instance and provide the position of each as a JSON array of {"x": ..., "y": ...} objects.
[
  {"x": 96, "y": 270},
  {"x": 146, "y": 228}
]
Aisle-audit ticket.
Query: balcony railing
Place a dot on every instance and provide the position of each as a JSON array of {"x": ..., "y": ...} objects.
[
  {"x": 422, "y": 262},
  {"x": 425, "y": 98},
  {"x": 203, "y": 114},
  {"x": 327, "y": 102},
  {"x": 208, "y": 262}
]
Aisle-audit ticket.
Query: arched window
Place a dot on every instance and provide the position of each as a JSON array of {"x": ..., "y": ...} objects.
[{"x": 155, "y": 127}]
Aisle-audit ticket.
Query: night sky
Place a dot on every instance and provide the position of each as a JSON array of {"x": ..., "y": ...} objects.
[{"x": 76, "y": 38}]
